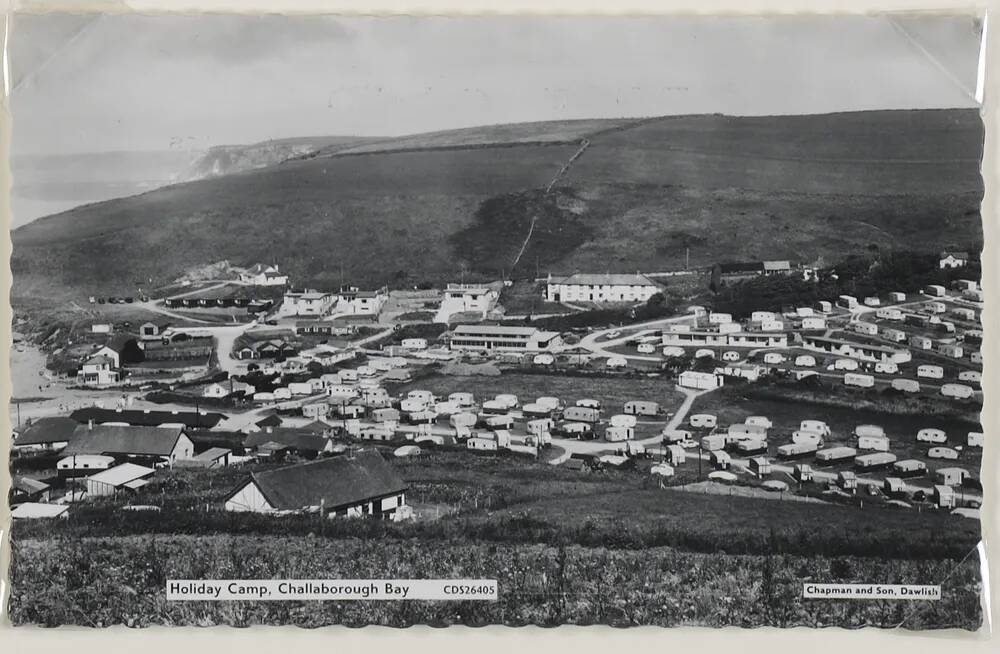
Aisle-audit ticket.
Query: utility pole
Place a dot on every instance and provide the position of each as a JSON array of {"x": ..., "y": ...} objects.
[{"x": 687, "y": 258}]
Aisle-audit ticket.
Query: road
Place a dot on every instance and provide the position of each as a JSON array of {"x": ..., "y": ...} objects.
[
  {"x": 154, "y": 307},
  {"x": 590, "y": 341},
  {"x": 573, "y": 446}
]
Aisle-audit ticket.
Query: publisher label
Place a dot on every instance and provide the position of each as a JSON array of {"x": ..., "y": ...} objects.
[{"x": 871, "y": 591}]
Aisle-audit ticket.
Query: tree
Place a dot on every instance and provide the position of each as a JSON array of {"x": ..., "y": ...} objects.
[{"x": 715, "y": 283}]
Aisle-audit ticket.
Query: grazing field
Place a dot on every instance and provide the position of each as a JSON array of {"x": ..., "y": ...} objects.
[
  {"x": 105, "y": 581},
  {"x": 527, "y": 298},
  {"x": 606, "y": 547}
]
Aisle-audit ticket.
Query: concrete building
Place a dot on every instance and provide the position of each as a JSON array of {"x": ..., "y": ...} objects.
[
  {"x": 862, "y": 351},
  {"x": 309, "y": 303},
  {"x": 471, "y": 298},
  {"x": 356, "y": 301},
  {"x": 497, "y": 338}
]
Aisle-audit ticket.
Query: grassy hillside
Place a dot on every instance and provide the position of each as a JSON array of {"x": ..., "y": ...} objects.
[
  {"x": 553, "y": 131},
  {"x": 428, "y": 208}
]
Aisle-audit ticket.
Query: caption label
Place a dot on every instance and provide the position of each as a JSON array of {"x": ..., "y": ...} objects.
[{"x": 331, "y": 589}]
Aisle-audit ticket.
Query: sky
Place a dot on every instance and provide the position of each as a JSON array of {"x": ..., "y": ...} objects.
[{"x": 86, "y": 83}]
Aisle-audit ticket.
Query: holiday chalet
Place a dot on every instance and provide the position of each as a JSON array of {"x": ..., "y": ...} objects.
[{"x": 350, "y": 485}]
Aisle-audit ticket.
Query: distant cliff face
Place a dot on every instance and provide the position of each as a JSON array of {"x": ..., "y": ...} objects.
[{"x": 227, "y": 159}]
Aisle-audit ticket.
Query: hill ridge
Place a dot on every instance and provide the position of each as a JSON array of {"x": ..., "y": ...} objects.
[{"x": 645, "y": 191}]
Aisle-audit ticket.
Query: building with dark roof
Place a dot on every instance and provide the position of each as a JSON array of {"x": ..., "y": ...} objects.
[
  {"x": 303, "y": 441},
  {"x": 26, "y": 489},
  {"x": 735, "y": 270},
  {"x": 127, "y": 441},
  {"x": 45, "y": 434},
  {"x": 148, "y": 418},
  {"x": 357, "y": 484}
]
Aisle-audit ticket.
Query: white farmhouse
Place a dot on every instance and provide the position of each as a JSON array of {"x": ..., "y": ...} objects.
[
  {"x": 953, "y": 259},
  {"x": 600, "y": 289},
  {"x": 263, "y": 275}
]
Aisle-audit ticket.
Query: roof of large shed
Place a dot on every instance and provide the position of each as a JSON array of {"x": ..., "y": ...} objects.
[
  {"x": 47, "y": 430},
  {"x": 114, "y": 439},
  {"x": 337, "y": 481},
  {"x": 300, "y": 439},
  {"x": 148, "y": 418},
  {"x": 121, "y": 475}
]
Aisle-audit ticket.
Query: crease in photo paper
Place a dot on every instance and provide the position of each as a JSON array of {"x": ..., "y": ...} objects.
[{"x": 627, "y": 321}]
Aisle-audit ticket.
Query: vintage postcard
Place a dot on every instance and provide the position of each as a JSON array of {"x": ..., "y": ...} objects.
[{"x": 630, "y": 321}]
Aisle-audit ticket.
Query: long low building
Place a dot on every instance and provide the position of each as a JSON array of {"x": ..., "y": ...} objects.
[
  {"x": 733, "y": 339},
  {"x": 598, "y": 288},
  {"x": 854, "y": 350},
  {"x": 487, "y": 338}
]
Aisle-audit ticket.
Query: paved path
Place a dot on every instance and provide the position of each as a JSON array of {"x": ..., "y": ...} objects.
[
  {"x": 573, "y": 446},
  {"x": 154, "y": 307},
  {"x": 590, "y": 341}
]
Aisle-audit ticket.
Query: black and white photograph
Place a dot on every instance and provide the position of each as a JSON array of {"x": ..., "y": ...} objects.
[{"x": 496, "y": 320}]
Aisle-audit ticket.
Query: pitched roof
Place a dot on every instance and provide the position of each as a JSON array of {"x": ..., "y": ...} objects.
[
  {"x": 47, "y": 430},
  {"x": 113, "y": 439},
  {"x": 148, "y": 418},
  {"x": 957, "y": 255},
  {"x": 38, "y": 510},
  {"x": 119, "y": 342},
  {"x": 273, "y": 420},
  {"x": 335, "y": 482},
  {"x": 317, "y": 427},
  {"x": 213, "y": 453},
  {"x": 122, "y": 474},
  {"x": 607, "y": 279},
  {"x": 28, "y": 485},
  {"x": 741, "y": 267},
  {"x": 299, "y": 439}
]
